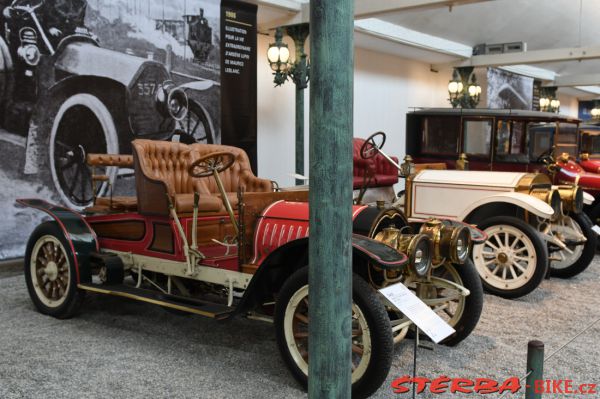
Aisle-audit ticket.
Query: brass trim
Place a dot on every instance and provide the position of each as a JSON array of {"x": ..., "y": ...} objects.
[{"x": 144, "y": 299}]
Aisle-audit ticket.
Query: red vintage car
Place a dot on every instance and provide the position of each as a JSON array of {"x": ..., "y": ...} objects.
[{"x": 204, "y": 235}]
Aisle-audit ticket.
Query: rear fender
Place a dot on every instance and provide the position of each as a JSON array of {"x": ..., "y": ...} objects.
[
  {"x": 527, "y": 202},
  {"x": 80, "y": 236},
  {"x": 285, "y": 260}
]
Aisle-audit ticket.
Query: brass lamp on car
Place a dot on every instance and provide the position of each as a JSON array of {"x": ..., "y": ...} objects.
[
  {"x": 550, "y": 196},
  {"x": 418, "y": 247},
  {"x": 449, "y": 242},
  {"x": 408, "y": 167},
  {"x": 572, "y": 198}
]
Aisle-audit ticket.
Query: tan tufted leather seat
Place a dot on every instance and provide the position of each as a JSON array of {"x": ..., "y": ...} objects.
[{"x": 161, "y": 169}]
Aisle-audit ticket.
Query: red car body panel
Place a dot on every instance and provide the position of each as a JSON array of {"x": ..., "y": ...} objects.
[{"x": 282, "y": 222}]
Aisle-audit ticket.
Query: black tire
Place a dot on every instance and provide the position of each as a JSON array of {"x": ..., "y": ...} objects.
[
  {"x": 70, "y": 301},
  {"x": 377, "y": 320},
  {"x": 589, "y": 249},
  {"x": 473, "y": 305},
  {"x": 593, "y": 212},
  {"x": 525, "y": 282}
]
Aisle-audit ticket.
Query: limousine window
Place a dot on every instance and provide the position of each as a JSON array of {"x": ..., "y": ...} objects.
[
  {"x": 511, "y": 142},
  {"x": 567, "y": 139},
  {"x": 590, "y": 140},
  {"x": 440, "y": 135},
  {"x": 477, "y": 137},
  {"x": 540, "y": 135}
]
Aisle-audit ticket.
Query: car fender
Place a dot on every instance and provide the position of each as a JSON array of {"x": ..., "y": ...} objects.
[
  {"x": 198, "y": 85},
  {"x": 525, "y": 201},
  {"x": 293, "y": 255},
  {"x": 588, "y": 199},
  {"x": 81, "y": 237}
]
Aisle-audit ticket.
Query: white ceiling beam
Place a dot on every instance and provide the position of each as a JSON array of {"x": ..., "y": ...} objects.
[
  {"x": 398, "y": 34},
  {"x": 370, "y": 8},
  {"x": 591, "y": 79},
  {"x": 533, "y": 57},
  {"x": 285, "y": 5}
]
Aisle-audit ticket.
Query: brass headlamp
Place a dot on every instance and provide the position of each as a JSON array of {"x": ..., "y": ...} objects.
[
  {"x": 550, "y": 196},
  {"x": 417, "y": 247},
  {"x": 449, "y": 242},
  {"x": 572, "y": 198}
]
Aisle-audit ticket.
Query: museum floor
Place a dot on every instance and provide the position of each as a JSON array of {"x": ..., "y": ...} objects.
[{"x": 122, "y": 349}]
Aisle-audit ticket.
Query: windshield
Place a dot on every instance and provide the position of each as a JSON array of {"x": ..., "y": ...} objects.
[{"x": 540, "y": 136}]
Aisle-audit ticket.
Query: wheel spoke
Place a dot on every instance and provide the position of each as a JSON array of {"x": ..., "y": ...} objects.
[
  {"x": 357, "y": 349},
  {"x": 512, "y": 271},
  {"x": 498, "y": 240},
  {"x": 504, "y": 273},
  {"x": 518, "y": 266},
  {"x": 302, "y": 318},
  {"x": 495, "y": 271},
  {"x": 491, "y": 245}
]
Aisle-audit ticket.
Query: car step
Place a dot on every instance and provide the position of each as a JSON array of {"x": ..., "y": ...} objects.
[{"x": 203, "y": 308}]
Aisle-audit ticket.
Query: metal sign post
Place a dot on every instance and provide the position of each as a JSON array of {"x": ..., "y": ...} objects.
[{"x": 330, "y": 251}]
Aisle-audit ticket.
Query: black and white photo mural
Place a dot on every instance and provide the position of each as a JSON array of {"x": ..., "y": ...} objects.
[
  {"x": 508, "y": 90},
  {"x": 80, "y": 77}
]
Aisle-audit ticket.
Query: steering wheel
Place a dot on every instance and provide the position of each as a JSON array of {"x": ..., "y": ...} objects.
[
  {"x": 370, "y": 147},
  {"x": 208, "y": 164},
  {"x": 546, "y": 157},
  {"x": 23, "y": 5}
]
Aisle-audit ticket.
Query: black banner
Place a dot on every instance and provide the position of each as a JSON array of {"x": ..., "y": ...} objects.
[{"x": 238, "y": 76}]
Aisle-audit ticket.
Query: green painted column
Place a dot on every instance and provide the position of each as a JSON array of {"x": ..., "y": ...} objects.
[
  {"x": 299, "y": 134},
  {"x": 330, "y": 252}
]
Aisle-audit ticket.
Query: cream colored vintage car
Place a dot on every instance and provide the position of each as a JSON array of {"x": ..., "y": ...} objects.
[{"x": 531, "y": 224}]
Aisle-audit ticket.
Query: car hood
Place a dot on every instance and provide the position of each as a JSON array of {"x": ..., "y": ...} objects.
[{"x": 470, "y": 178}]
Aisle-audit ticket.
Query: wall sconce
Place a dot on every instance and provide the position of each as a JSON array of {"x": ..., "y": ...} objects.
[
  {"x": 548, "y": 100},
  {"x": 463, "y": 90}
]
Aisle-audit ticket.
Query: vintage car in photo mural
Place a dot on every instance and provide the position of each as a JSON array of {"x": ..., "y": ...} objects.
[
  {"x": 71, "y": 97},
  {"x": 204, "y": 235},
  {"x": 528, "y": 221}
]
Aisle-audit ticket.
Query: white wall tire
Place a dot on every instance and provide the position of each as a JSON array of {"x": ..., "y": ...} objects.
[
  {"x": 514, "y": 259},
  {"x": 96, "y": 132}
]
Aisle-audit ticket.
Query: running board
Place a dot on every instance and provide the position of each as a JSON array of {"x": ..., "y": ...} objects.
[{"x": 207, "y": 309}]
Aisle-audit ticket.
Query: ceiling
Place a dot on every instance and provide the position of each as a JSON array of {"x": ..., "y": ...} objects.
[{"x": 438, "y": 31}]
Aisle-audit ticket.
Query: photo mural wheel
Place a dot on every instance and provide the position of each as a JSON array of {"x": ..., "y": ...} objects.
[
  {"x": 578, "y": 257},
  {"x": 514, "y": 259},
  {"x": 196, "y": 126},
  {"x": 82, "y": 125},
  {"x": 372, "y": 344},
  {"x": 50, "y": 272}
]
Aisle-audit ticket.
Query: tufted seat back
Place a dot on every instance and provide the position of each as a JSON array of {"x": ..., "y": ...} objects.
[{"x": 161, "y": 169}]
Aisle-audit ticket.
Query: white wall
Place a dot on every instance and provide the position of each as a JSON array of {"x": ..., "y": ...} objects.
[{"x": 385, "y": 89}]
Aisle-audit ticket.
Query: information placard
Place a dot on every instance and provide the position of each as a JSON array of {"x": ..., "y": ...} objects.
[{"x": 418, "y": 312}]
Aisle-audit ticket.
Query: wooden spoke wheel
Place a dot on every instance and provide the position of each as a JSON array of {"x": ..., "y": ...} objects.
[
  {"x": 372, "y": 344},
  {"x": 514, "y": 259},
  {"x": 50, "y": 272}
]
